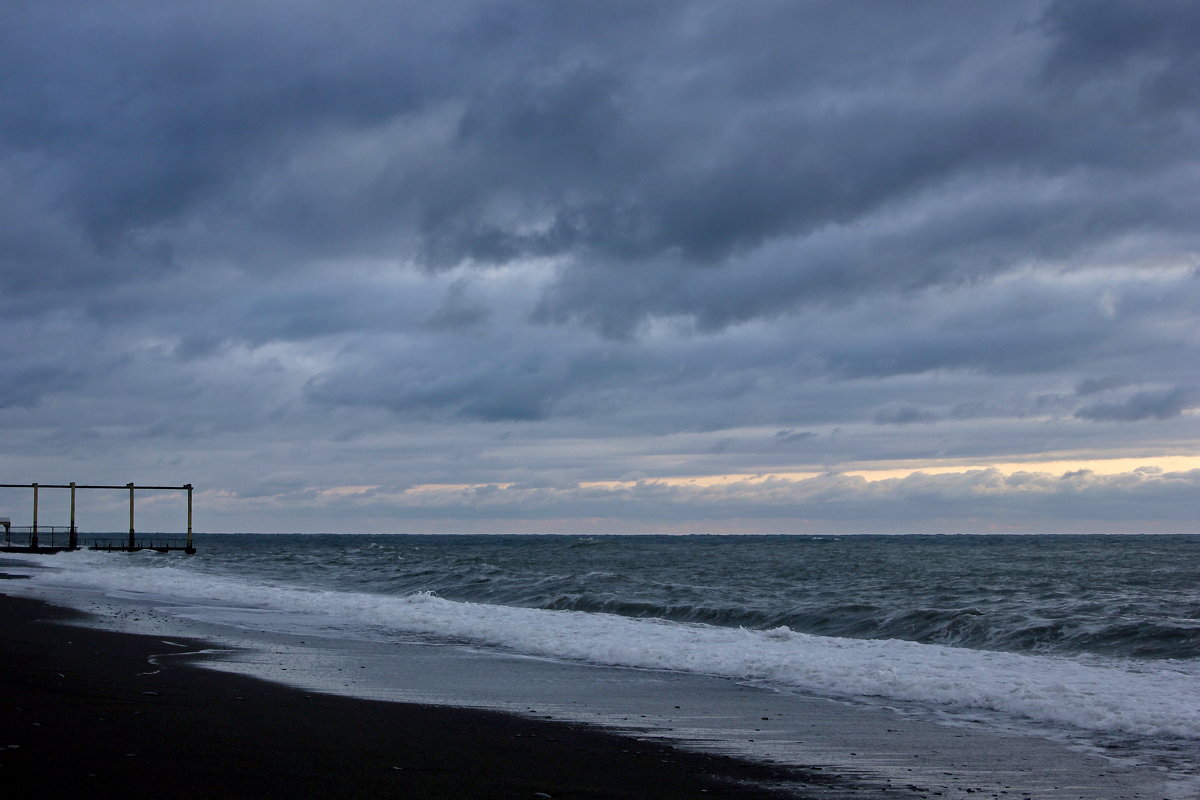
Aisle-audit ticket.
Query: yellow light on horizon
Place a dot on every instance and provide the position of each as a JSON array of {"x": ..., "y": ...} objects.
[
  {"x": 891, "y": 471},
  {"x": 1099, "y": 466}
]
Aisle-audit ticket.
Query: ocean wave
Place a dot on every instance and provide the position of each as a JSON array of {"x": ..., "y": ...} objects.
[
  {"x": 1034, "y": 630},
  {"x": 1142, "y": 698}
]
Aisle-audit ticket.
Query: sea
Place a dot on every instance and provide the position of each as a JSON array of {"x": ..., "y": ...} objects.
[{"x": 1063, "y": 666}]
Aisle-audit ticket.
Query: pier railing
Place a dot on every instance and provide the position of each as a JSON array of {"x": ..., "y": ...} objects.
[
  {"x": 54, "y": 538},
  {"x": 157, "y": 544}
]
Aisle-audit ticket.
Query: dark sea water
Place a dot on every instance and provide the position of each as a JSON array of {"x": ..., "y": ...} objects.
[
  {"x": 1091, "y": 638},
  {"x": 1135, "y": 597}
]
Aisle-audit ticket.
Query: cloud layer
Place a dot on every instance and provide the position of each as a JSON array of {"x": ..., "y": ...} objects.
[{"x": 279, "y": 248}]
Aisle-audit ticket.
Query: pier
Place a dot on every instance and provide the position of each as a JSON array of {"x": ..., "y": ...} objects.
[{"x": 59, "y": 538}]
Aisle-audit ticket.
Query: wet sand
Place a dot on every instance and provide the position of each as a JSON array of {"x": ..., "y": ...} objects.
[{"x": 117, "y": 715}]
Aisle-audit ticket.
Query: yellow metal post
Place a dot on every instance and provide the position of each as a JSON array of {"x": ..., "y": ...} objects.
[
  {"x": 33, "y": 537},
  {"x": 72, "y": 537},
  {"x": 131, "y": 541}
]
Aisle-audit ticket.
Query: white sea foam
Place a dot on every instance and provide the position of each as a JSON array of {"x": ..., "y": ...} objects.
[{"x": 1144, "y": 699}]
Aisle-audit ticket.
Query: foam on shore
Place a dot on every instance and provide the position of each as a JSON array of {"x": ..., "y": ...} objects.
[{"x": 1158, "y": 699}]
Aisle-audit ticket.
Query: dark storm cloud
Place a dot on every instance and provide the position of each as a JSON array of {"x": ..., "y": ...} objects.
[
  {"x": 1150, "y": 45},
  {"x": 25, "y": 384},
  {"x": 1155, "y": 404},
  {"x": 561, "y": 242},
  {"x": 791, "y": 437},
  {"x": 674, "y": 143},
  {"x": 150, "y": 111},
  {"x": 1013, "y": 348}
]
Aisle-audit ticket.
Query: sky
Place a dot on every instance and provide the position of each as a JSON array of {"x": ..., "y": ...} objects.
[{"x": 604, "y": 267}]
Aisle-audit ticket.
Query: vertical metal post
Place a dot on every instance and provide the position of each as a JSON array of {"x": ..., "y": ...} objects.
[
  {"x": 188, "y": 548},
  {"x": 33, "y": 537},
  {"x": 131, "y": 541},
  {"x": 72, "y": 537}
]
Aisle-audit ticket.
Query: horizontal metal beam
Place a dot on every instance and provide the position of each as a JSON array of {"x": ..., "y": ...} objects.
[{"x": 185, "y": 487}]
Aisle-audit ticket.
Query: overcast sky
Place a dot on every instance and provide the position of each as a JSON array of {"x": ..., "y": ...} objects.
[{"x": 605, "y": 266}]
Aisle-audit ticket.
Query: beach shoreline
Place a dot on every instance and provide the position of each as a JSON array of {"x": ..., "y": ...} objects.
[
  {"x": 110, "y": 713},
  {"x": 380, "y": 701}
]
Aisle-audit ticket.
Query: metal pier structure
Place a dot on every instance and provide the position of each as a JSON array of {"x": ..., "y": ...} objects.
[{"x": 50, "y": 538}]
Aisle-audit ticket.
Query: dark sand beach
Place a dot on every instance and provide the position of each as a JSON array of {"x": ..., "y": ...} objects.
[{"x": 105, "y": 714}]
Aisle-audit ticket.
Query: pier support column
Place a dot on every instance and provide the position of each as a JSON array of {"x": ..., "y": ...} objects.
[
  {"x": 132, "y": 544},
  {"x": 33, "y": 537},
  {"x": 72, "y": 536},
  {"x": 188, "y": 547}
]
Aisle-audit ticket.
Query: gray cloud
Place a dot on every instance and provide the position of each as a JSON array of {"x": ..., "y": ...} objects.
[
  {"x": 548, "y": 244},
  {"x": 1153, "y": 404},
  {"x": 1153, "y": 46},
  {"x": 1089, "y": 386},
  {"x": 458, "y": 311},
  {"x": 903, "y": 415},
  {"x": 967, "y": 502},
  {"x": 790, "y": 436}
]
